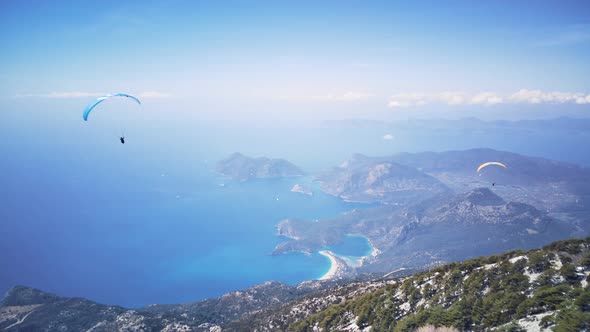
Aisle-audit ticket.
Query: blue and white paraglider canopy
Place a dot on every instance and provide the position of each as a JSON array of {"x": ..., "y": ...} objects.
[{"x": 99, "y": 100}]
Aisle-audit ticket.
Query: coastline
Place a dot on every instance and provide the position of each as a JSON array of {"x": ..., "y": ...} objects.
[
  {"x": 335, "y": 265},
  {"x": 301, "y": 189},
  {"x": 340, "y": 265},
  {"x": 373, "y": 252}
]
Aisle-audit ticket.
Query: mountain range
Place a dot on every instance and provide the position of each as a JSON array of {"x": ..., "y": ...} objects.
[
  {"x": 426, "y": 212},
  {"x": 514, "y": 291},
  {"x": 434, "y": 208}
]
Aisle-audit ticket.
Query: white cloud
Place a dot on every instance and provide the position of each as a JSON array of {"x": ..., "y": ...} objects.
[
  {"x": 451, "y": 98},
  {"x": 538, "y": 96},
  {"x": 397, "y": 103},
  {"x": 487, "y": 98},
  {"x": 154, "y": 94},
  {"x": 420, "y": 99},
  {"x": 408, "y": 99},
  {"x": 388, "y": 137}
]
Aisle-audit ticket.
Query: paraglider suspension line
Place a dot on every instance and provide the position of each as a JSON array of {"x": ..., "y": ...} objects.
[{"x": 122, "y": 129}]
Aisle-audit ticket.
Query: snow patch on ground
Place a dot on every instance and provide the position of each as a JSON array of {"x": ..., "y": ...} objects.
[
  {"x": 532, "y": 323},
  {"x": 97, "y": 326},
  {"x": 517, "y": 258},
  {"x": 429, "y": 281},
  {"x": 559, "y": 280},
  {"x": 533, "y": 276},
  {"x": 490, "y": 266},
  {"x": 405, "y": 306},
  {"x": 176, "y": 327},
  {"x": 210, "y": 327},
  {"x": 556, "y": 263},
  {"x": 130, "y": 321},
  {"x": 352, "y": 326}
]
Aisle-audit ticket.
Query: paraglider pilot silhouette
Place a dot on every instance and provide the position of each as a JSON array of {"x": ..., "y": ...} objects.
[
  {"x": 484, "y": 165},
  {"x": 92, "y": 105}
]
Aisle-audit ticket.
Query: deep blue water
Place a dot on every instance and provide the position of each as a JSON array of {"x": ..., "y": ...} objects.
[
  {"x": 140, "y": 223},
  {"x": 158, "y": 240},
  {"x": 148, "y": 222}
]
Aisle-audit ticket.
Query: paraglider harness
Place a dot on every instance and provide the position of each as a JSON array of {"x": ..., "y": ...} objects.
[{"x": 99, "y": 100}]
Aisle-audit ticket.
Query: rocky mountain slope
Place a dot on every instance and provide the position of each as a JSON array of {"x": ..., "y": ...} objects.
[
  {"x": 428, "y": 209},
  {"x": 238, "y": 166},
  {"x": 365, "y": 179},
  {"x": 28, "y": 309},
  {"x": 548, "y": 185},
  {"x": 435, "y": 208},
  {"x": 545, "y": 184},
  {"x": 539, "y": 290},
  {"x": 442, "y": 229}
]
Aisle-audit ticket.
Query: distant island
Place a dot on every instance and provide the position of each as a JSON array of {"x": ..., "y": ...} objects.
[
  {"x": 298, "y": 188},
  {"x": 240, "y": 167}
]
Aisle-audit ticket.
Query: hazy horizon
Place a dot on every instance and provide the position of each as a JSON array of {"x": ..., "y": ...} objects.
[
  {"x": 312, "y": 82},
  {"x": 302, "y": 61}
]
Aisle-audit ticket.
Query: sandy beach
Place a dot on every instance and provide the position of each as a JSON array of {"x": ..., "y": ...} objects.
[
  {"x": 334, "y": 267},
  {"x": 340, "y": 264}
]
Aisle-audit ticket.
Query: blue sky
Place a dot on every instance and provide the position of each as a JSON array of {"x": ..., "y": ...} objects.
[
  {"x": 322, "y": 56},
  {"x": 257, "y": 77}
]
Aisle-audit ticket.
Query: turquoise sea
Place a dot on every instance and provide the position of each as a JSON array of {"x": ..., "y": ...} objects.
[
  {"x": 161, "y": 239},
  {"x": 145, "y": 222},
  {"x": 352, "y": 246},
  {"x": 149, "y": 222}
]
